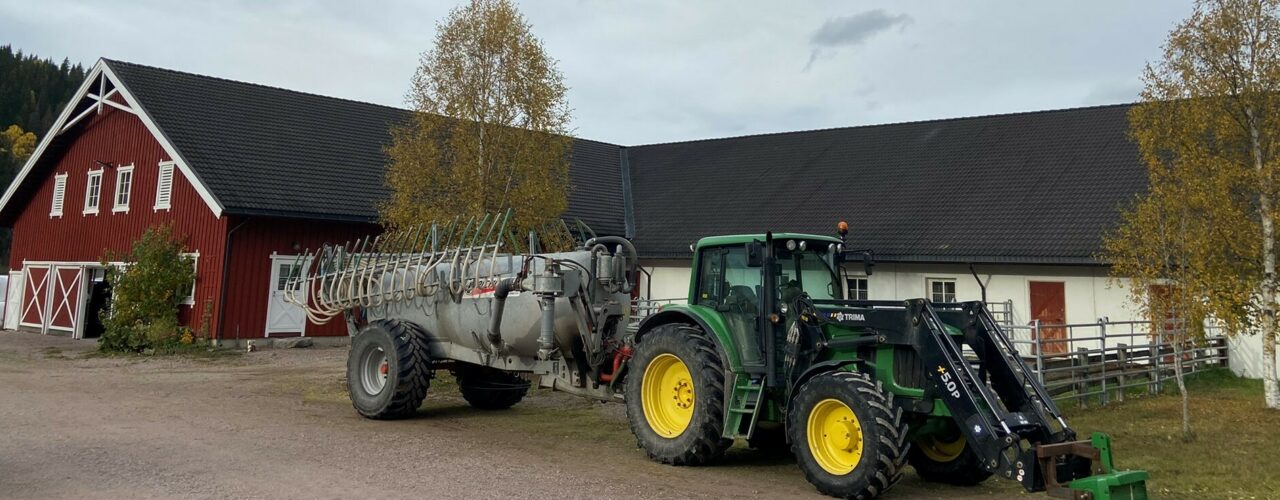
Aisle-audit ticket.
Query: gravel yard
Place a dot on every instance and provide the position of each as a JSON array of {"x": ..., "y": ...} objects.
[{"x": 277, "y": 423}]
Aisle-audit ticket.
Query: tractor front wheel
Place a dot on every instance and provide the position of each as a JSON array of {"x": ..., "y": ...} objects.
[
  {"x": 847, "y": 436},
  {"x": 949, "y": 461},
  {"x": 675, "y": 396},
  {"x": 388, "y": 370}
]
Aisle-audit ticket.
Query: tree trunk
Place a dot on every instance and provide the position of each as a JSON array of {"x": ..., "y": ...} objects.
[
  {"x": 1178, "y": 375},
  {"x": 1270, "y": 387}
]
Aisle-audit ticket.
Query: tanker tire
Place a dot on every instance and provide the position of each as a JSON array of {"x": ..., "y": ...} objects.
[
  {"x": 408, "y": 370},
  {"x": 964, "y": 470},
  {"x": 701, "y": 443},
  {"x": 490, "y": 389},
  {"x": 884, "y": 452}
]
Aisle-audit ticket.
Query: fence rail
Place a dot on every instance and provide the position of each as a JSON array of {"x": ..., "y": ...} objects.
[{"x": 1101, "y": 362}]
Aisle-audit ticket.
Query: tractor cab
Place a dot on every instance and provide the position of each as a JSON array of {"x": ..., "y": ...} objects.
[{"x": 751, "y": 281}]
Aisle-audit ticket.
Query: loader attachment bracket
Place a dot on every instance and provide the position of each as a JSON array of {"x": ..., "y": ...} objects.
[{"x": 1085, "y": 470}]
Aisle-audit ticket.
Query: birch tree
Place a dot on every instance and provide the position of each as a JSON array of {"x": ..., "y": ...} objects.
[
  {"x": 1207, "y": 127},
  {"x": 490, "y": 126}
]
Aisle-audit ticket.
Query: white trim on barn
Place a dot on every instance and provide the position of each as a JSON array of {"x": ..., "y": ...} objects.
[{"x": 101, "y": 74}]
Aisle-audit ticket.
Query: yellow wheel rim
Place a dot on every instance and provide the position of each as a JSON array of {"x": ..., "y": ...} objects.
[
  {"x": 941, "y": 451},
  {"x": 666, "y": 394},
  {"x": 835, "y": 436}
]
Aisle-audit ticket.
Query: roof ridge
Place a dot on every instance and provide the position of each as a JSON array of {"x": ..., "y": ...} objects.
[
  {"x": 890, "y": 124},
  {"x": 251, "y": 84}
]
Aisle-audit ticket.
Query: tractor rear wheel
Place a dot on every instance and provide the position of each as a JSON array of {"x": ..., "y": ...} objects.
[
  {"x": 847, "y": 436},
  {"x": 949, "y": 461},
  {"x": 490, "y": 389},
  {"x": 388, "y": 370},
  {"x": 675, "y": 396}
]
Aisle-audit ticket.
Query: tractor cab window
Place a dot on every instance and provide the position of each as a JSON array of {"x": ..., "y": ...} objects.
[
  {"x": 806, "y": 271},
  {"x": 725, "y": 280},
  {"x": 727, "y": 284}
]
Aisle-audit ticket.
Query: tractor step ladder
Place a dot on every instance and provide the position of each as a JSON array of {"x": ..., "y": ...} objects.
[{"x": 743, "y": 401}]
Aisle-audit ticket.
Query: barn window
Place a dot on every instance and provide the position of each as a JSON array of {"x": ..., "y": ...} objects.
[
  {"x": 59, "y": 195},
  {"x": 124, "y": 187},
  {"x": 942, "y": 290},
  {"x": 164, "y": 186},
  {"x": 93, "y": 192}
]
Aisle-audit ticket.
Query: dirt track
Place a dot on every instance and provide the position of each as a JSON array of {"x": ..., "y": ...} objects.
[{"x": 278, "y": 424}]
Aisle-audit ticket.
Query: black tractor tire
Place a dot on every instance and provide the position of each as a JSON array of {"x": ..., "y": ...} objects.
[
  {"x": 770, "y": 440},
  {"x": 701, "y": 441},
  {"x": 883, "y": 436},
  {"x": 965, "y": 469},
  {"x": 489, "y": 388},
  {"x": 405, "y": 357}
]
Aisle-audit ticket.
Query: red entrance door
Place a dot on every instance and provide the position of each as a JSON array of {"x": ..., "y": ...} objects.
[{"x": 1049, "y": 306}]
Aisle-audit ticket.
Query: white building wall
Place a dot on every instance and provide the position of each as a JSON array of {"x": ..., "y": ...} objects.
[
  {"x": 1245, "y": 353},
  {"x": 1090, "y": 294}
]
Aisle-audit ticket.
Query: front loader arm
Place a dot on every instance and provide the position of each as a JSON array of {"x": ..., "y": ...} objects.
[{"x": 1004, "y": 411}]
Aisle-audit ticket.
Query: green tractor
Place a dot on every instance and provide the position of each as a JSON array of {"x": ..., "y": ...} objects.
[{"x": 767, "y": 350}]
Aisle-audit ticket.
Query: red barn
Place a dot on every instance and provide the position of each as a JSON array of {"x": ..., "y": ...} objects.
[{"x": 247, "y": 175}]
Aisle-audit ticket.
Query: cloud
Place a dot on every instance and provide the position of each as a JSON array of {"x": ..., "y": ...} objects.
[
  {"x": 1112, "y": 93},
  {"x": 853, "y": 30}
]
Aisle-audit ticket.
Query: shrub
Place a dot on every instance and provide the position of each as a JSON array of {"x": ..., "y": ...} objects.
[{"x": 142, "y": 315}]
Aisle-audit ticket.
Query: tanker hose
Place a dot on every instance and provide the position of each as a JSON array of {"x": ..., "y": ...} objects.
[
  {"x": 500, "y": 293},
  {"x": 633, "y": 258}
]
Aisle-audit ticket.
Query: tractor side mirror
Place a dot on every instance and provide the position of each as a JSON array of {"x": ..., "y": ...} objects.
[
  {"x": 868, "y": 262},
  {"x": 755, "y": 254}
]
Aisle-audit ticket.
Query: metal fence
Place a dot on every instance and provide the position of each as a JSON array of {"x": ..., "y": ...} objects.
[
  {"x": 1091, "y": 363},
  {"x": 1095, "y": 363}
]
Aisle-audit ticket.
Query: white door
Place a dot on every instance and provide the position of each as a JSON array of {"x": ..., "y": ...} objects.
[
  {"x": 283, "y": 316},
  {"x": 13, "y": 300}
]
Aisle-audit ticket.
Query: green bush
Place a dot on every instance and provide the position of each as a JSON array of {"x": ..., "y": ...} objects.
[{"x": 142, "y": 315}]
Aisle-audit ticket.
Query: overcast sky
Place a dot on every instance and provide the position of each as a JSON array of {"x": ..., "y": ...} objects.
[{"x": 657, "y": 71}]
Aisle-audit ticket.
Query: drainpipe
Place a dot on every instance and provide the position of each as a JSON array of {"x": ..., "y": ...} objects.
[{"x": 226, "y": 272}]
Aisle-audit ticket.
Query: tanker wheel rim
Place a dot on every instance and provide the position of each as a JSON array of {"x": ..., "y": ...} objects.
[
  {"x": 375, "y": 366},
  {"x": 835, "y": 437},
  {"x": 941, "y": 451},
  {"x": 667, "y": 395}
]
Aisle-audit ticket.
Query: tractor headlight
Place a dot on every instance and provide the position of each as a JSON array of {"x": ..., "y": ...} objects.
[
  {"x": 791, "y": 245},
  {"x": 803, "y": 245},
  {"x": 782, "y": 308}
]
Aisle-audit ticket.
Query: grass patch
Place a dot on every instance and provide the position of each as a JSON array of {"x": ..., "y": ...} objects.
[{"x": 1230, "y": 457}]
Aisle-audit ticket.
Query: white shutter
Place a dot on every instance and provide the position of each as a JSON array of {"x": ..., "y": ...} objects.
[
  {"x": 164, "y": 186},
  {"x": 59, "y": 195}
]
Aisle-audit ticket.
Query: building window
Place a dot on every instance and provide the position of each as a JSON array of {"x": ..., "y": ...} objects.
[
  {"x": 59, "y": 195},
  {"x": 124, "y": 187},
  {"x": 93, "y": 192},
  {"x": 857, "y": 288},
  {"x": 164, "y": 186},
  {"x": 942, "y": 290},
  {"x": 190, "y": 299}
]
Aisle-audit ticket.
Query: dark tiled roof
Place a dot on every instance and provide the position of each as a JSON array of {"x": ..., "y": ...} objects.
[
  {"x": 265, "y": 150},
  {"x": 1037, "y": 187}
]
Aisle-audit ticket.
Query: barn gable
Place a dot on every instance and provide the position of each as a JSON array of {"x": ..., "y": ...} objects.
[{"x": 102, "y": 90}]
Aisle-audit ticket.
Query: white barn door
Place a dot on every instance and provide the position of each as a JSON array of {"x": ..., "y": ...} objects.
[{"x": 283, "y": 316}]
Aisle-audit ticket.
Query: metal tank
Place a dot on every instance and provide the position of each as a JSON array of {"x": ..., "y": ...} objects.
[{"x": 558, "y": 315}]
